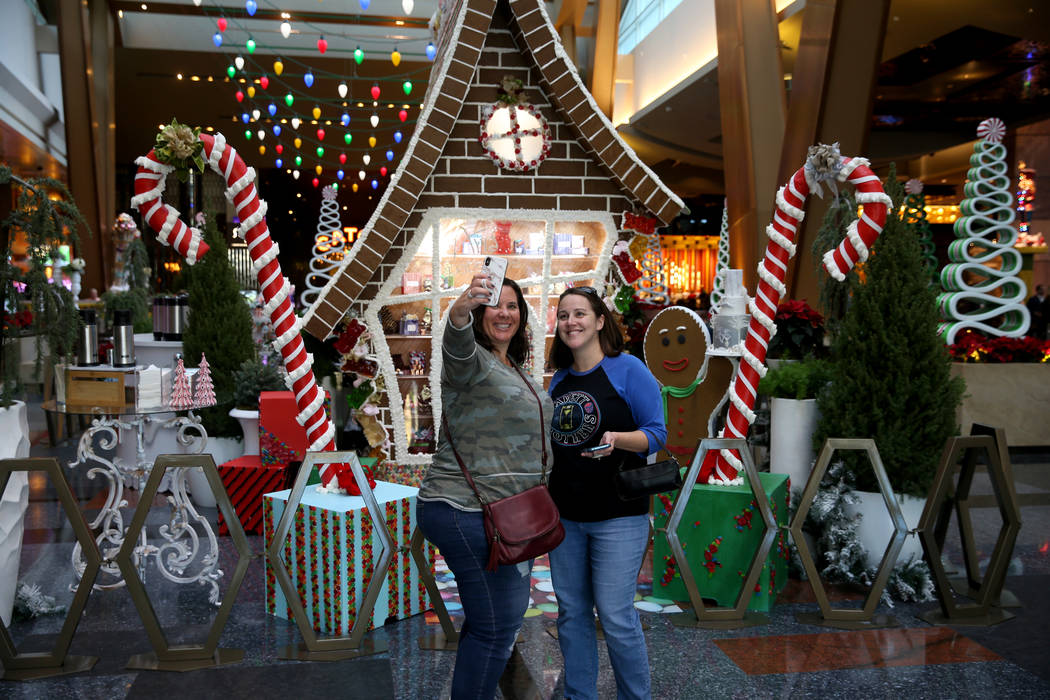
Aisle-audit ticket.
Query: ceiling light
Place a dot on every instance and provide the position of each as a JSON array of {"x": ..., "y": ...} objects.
[
  {"x": 195, "y": 78},
  {"x": 144, "y": 7},
  {"x": 178, "y": 76}
]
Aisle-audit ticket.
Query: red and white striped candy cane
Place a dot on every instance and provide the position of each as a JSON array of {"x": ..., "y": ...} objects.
[
  {"x": 823, "y": 163},
  {"x": 241, "y": 191}
]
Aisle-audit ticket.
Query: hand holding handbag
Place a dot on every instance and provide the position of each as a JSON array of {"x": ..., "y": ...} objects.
[
  {"x": 522, "y": 526},
  {"x": 648, "y": 479}
]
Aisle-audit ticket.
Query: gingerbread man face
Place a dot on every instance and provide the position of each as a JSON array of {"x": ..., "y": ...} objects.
[{"x": 675, "y": 346}]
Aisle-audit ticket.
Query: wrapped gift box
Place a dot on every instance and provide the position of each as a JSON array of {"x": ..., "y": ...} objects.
[
  {"x": 720, "y": 531},
  {"x": 281, "y": 438},
  {"x": 329, "y": 552},
  {"x": 246, "y": 480}
]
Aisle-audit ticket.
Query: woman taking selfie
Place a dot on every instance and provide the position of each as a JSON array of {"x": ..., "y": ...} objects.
[
  {"x": 493, "y": 415},
  {"x": 607, "y": 415}
]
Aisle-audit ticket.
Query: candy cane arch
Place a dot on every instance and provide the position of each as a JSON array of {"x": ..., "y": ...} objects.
[
  {"x": 241, "y": 191},
  {"x": 824, "y": 163}
]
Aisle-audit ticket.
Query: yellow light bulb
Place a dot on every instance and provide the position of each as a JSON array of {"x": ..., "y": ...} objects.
[
  {"x": 262, "y": 150},
  {"x": 395, "y": 57},
  {"x": 278, "y": 67},
  {"x": 318, "y": 169},
  {"x": 372, "y": 141},
  {"x": 251, "y": 91},
  {"x": 355, "y": 187},
  {"x": 317, "y": 112},
  {"x": 298, "y": 142}
]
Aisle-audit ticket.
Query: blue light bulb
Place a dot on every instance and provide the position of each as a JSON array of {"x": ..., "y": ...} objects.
[
  {"x": 431, "y": 51},
  {"x": 216, "y": 39},
  {"x": 339, "y": 174},
  {"x": 272, "y": 109},
  {"x": 375, "y": 184},
  {"x": 279, "y": 163},
  {"x": 345, "y": 119},
  {"x": 308, "y": 79},
  {"x": 389, "y": 155},
  {"x": 397, "y": 137},
  {"x": 245, "y": 117},
  {"x": 276, "y": 129},
  {"x": 250, "y": 6}
]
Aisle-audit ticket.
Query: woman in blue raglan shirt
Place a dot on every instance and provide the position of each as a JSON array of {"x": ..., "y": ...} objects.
[{"x": 601, "y": 397}]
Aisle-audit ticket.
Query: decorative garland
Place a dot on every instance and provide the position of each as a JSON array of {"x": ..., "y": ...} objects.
[{"x": 823, "y": 164}]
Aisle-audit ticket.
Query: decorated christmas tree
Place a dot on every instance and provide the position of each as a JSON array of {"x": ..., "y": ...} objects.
[
  {"x": 891, "y": 378},
  {"x": 329, "y": 247},
  {"x": 204, "y": 390},
  {"x": 915, "y": 216},
  {"x": 718, "y": 289},
  {"x": 220, "y": 327},
  {"x": 181, "y": 397},
  {"x": 983, "y": 291}
]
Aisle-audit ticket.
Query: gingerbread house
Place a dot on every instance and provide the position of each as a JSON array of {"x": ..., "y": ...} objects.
[{"x": 541, "y": 178}]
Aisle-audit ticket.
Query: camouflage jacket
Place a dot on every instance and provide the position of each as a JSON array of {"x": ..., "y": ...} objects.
[{"x": 495, "y": 423}]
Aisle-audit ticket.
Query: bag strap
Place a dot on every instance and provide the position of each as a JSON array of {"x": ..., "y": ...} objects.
[{"x": 463, "y": 467}]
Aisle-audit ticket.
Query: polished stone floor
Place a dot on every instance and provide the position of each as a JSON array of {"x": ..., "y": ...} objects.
[{"x": 784, "y": 658}]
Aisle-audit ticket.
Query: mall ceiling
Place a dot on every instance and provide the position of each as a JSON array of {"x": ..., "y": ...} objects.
[{"x": 947, "y": 65}]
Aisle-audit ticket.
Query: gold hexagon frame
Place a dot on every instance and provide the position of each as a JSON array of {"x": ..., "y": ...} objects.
[
  {"x": 849, "y": 618},
  {"x": 447, "y": 638},
  {"x": 58, "y": 661},
  {"x": 947, "y": 494},
  {"x": 724, "y": 617},
  {"x": 182, "y": 657},
  {"x": 314, "y": 648}
]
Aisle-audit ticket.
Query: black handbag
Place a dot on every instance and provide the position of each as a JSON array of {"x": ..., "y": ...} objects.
[
  {"x": 648, "y": 479},
  {"x": 524, "y": 525}
]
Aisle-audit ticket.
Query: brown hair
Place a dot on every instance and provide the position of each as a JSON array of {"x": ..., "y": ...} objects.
[
  {"x": 519, "y": 342},
  {"x": 609, "y": 337}
]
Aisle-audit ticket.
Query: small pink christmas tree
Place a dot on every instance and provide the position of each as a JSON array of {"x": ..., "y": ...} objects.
[
  {"x": 204, "y": 391},
  {"x": 180, "y": 393}
]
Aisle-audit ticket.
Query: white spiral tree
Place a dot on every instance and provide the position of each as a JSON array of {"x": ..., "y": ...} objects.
[
  {"x": 329, "y": 247},
  {"x": 718, "y": 288},
  {"x": 983, "y": 291}
]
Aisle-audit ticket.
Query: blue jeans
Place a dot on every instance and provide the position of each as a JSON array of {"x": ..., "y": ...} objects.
[
  {"x": 494, "y": 602},
  {"x": 597, "y": 566}
]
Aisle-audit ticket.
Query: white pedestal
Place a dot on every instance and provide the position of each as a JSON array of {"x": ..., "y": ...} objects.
[
  {"x": 13, "y": 504},
  {"x": 792, "y": 423}
]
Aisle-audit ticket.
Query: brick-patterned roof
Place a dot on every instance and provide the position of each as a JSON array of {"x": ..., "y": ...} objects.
[{"x": 442, "y": 105}]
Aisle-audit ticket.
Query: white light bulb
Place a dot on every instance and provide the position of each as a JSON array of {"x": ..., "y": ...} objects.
[
  {"x": 261, "y": 134},
  {"x": 295, "y": 122},
  {"x": 295, "y": 174},
  {"x": 374, "y": 120},
  {"x": 256, "y": 114},
  {"x": 366, "y": 158},
  {"x": 360, "y": 174},
  {"x": 407, "y": 6},
  {"x": 342, "y": 89},
  {"x": 197, "y": 3},
  {"x": 286, "y": 29},
  {"x": 239, "y": 62}
]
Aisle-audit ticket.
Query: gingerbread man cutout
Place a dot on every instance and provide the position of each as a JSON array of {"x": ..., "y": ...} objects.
[{"x": 675, "y": 350}]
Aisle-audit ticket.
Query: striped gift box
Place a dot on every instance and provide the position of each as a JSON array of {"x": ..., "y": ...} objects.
[
  {"x": 329, "y": 553},
  {"x": 246, "y": 480}
]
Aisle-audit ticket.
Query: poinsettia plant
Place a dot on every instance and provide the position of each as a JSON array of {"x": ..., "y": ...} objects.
[
  {"x": 18, "y": 321},
  {"x": 800, "y": 331},
  {"x": 974, "y": 347}
]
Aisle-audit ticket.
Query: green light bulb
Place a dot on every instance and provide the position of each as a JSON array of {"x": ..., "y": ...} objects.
[
  {"x": 320, "y": 152},
  {"x": 348, "y": 138},
  {"x": 250, "y": 44},
  {"x": 288, "y": 99},
  {"x": 247, "y": 135},
  {"x": 298, "y": 161},
  {"x": 407, "y": 87},
  {"x": 359, "y": 55},
  {"x": 231, "y": 71}
]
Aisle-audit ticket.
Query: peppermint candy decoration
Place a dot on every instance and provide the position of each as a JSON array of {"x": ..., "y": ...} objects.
[
  {"x": 913, "y": 186},
  {"x": 992, "y": 130},
  {"x": 515, "y": 137}
]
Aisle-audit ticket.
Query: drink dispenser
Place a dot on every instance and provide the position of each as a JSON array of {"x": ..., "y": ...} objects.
[
  {"x": 87, "y": 347},
  {"x": 123, "y": 339}
]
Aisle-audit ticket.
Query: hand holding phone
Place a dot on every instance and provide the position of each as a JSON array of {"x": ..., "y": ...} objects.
[
  {"x": 496, "y": 268},
  {"x": 592, "y": 450}
]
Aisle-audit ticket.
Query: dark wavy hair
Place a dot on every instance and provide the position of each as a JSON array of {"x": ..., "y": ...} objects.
[
  {"x": 519, "y": 343},
  {"x": 609, "y": 337}
]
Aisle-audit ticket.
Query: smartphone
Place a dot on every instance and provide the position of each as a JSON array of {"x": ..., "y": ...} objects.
[
  {"x": 591, "y": 450},
  {"x": 497, "y": 269}
]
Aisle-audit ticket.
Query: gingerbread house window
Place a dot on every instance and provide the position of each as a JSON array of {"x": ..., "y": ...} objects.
[{"x": 546, "y": 252}]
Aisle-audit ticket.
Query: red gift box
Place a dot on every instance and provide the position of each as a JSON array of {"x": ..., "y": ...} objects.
[
  {"x": 281, "y": 438},
  {"x": 246, "y": 479}
]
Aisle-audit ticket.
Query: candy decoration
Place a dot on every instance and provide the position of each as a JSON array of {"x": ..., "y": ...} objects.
[
  {"x": 181, "y": 398},
  {"x": 242, "y": 192},
  {"x": 991, "y": 130},
  {"x": 204, "y": 391},
  {"x": 983, "y": 288},
  {"x": 823, "y": 164}
]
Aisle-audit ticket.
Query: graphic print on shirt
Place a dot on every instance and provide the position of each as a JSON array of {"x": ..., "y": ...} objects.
[{"x": 576, "y": 418}]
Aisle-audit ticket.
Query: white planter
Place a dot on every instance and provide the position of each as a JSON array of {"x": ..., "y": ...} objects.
[
  {"x": 249, "y": 421},
  {"x": 792, "y": 424},
  {"x": 222, "y": 450},
  {"x": 875, "y": 527},
  {"x": 15, "y": 427}
]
